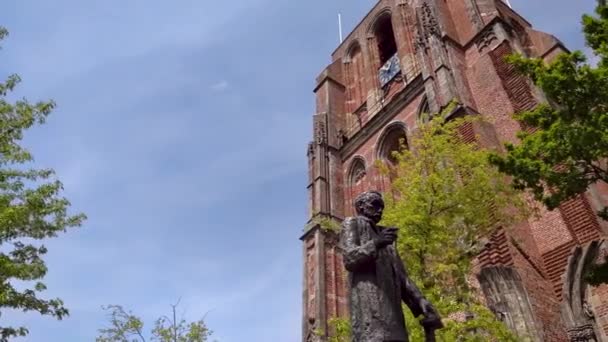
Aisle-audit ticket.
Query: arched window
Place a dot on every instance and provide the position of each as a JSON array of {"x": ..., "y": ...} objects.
[
  {"x": 393, "y": 139},
  {"x": 357, "y": 172},
  {"x": 356, "y": 180},
  {"x": 356, "y": 81},
  {"x": 385, "y": 38}
]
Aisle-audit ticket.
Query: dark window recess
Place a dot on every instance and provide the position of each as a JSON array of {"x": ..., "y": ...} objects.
[{"x": 387, "y": 47}]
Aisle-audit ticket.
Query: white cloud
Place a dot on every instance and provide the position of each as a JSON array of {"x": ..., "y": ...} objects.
[{"x": 220, "y": 86}]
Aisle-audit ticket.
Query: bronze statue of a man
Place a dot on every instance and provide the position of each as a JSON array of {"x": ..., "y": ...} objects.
[{"x": 377, "y": 278}]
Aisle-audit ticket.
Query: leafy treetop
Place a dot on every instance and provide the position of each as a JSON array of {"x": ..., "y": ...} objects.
[{"x": 31, "y": 210}]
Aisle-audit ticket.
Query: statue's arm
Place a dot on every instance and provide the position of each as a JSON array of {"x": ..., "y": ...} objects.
[
  {"x": 354, "y": 253},
  {"x": 410, "y": 294},
  {"x": 414, "y": 299}
]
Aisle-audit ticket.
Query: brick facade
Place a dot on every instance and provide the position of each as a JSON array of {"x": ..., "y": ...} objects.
[{"x": 447, "y": 51}]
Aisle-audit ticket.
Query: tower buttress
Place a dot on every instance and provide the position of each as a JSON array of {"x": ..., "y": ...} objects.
[{"x": 323, "y": 296}]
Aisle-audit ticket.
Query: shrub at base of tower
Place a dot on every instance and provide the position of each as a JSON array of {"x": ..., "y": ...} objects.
[
  {"x": 31, "y": 210},
  {"x": 445, "y": 198},
  {"x": 566, "y": 149},
  {"x": 339, "y": 330}
]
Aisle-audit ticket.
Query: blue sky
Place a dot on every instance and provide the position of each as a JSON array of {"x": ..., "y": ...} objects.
[{"x": 181, "y": 132}]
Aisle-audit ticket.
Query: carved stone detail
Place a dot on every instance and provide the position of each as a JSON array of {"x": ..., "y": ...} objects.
[
  {"x": 577, "y": 314},
  {"x": 474, "y": 14},
  {"x": 588, "y": 310},
  {"x": 342, "y": 137},
  {"x": 429, "y": 21},
  {"x": 583, "y": 333},
  {"x": 486, "y": 38},
  {"x": 419, "y": 41},
  {"x": 320, "y": 133},
  {"x": 311, "y": 149},
  {"x": 428, "y": 26}
]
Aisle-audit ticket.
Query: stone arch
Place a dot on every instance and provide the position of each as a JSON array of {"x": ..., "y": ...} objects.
[
  {"x": 357, "y": 171},
  {"x": 386, "y": 11},
  {"x": 383, "y": 31},
  {"x": 424, "y": 111},
  {"x": 391, "y": 140},
  {"x": 576, "y": 310},
  {"x": 353, "y": 45}
]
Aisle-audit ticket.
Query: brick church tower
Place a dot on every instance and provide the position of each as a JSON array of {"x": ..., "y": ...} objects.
[{"x": 408, "y": 57}]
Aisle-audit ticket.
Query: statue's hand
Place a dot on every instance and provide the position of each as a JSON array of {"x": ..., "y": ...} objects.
[
  {"x": 387, "y": 237},
  {"x": 431, "y": 318}
]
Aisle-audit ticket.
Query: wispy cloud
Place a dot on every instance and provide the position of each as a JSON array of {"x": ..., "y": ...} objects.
[{"x": 220, "y": 86}]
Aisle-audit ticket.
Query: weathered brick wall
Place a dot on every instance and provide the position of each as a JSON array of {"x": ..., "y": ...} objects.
[
  {"x": 580, "y": 219},
  {"x": 496, "y": 253},
  {"x": 516, "y": 86},
  {"x": 489, "y": 94},
  {"x": 356, "y": 85},
  {"x": 459, "y": 11},
  {"x": 549, "y": 221},
  {"x": 545, "y": 305}
]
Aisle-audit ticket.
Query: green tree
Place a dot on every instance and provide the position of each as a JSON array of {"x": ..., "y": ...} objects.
[
  {"x": 567, "y": 151},
  {"x": 127, "y": 327},
  {"x": 446, "y": 198},
  {"x": 31, "y": 210}
]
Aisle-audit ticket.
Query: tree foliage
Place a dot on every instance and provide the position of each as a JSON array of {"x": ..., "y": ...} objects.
[
  {"x": 31, "y": 210},
  {"x": 568, "y": 148},
  {"x": 127, "y": 327},
  {"x": 339, "y": 330},
  {"x": 446, "y": 198}
]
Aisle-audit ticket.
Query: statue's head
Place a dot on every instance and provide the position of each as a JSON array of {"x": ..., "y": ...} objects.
[{"x": 370, "y": 204}]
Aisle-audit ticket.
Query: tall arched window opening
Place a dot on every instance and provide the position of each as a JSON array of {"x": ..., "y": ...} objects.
[{"x": 385, "y": 38}]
